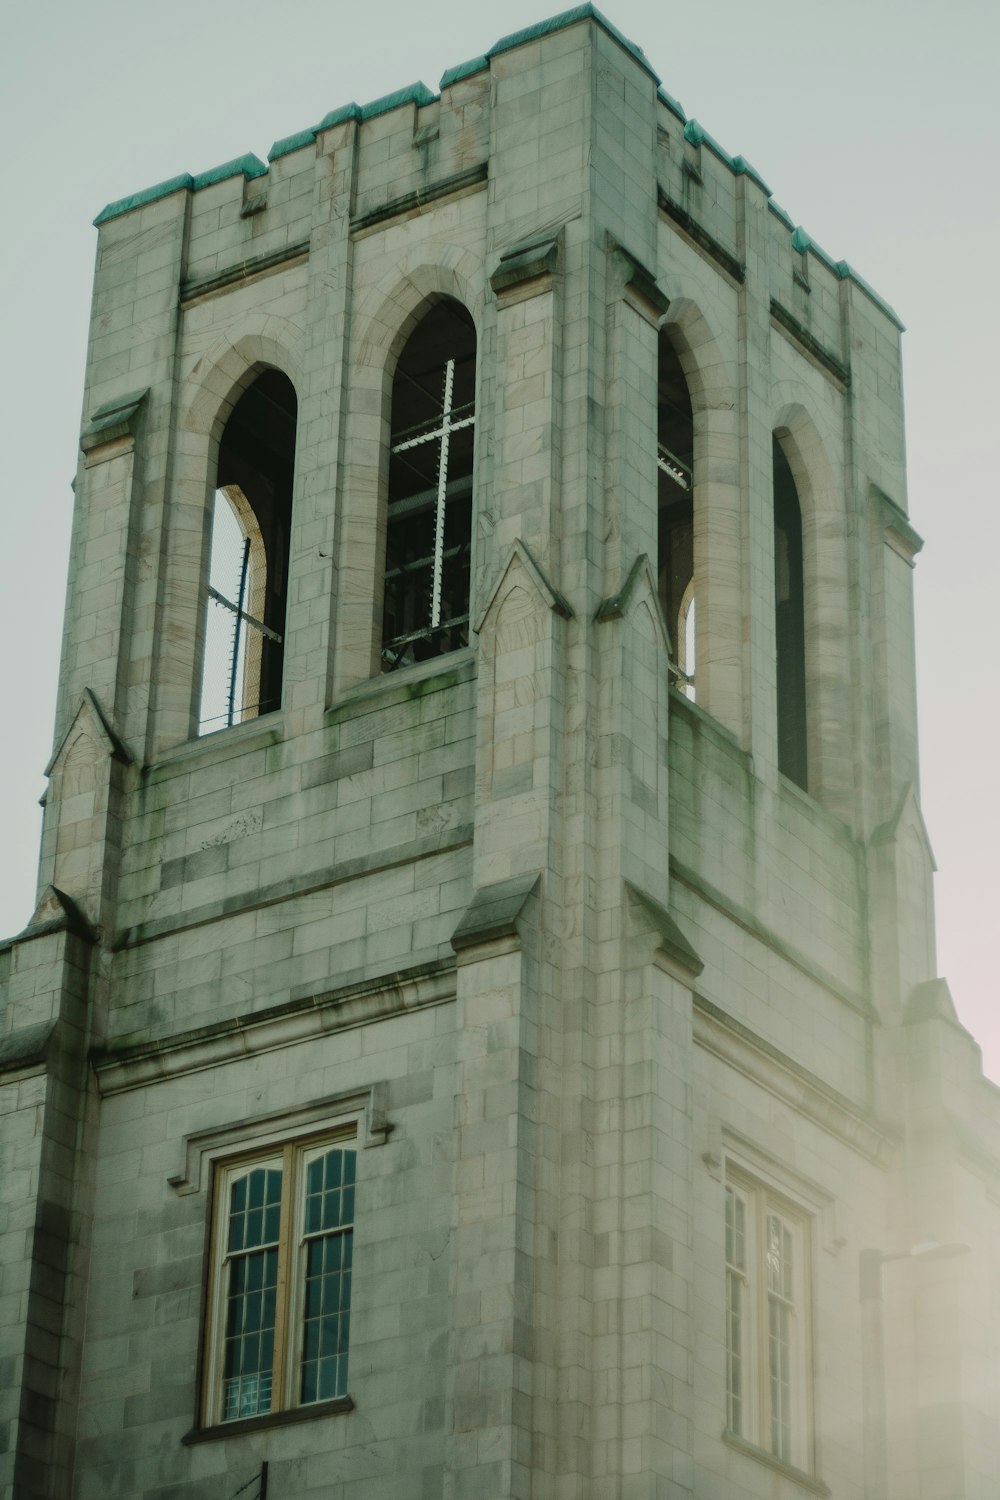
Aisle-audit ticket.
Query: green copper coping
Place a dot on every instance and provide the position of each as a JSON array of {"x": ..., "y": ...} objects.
[
  {"x": 463, "y": 70},
  {"x": 569, "y": 18},
  {"x": 248, "y": 167},
  {"x": 419, "y": 94},
  {"x": 289, "y": 143},
  {"x": 148, "y": 195},
  {"x": 847, "y": 272},
  {"x": 414, "y": 93},
  {"x": 672, "y": 104},
  {"x": 241, "y": 166},
  {"x": 743, "y": 168}
]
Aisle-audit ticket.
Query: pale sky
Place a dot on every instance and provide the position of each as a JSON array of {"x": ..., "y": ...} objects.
[{"x": 876, "y": 124}]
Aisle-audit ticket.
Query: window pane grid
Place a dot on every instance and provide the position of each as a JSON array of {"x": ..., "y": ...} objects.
[
  {"x": 283, "y": 1317},
  {"x": 326, "y": 1327},
  {"x": 251, "y": 1285},
  {"x": 765, "y": 1357},
  {"x": 329, "y": 1246}
]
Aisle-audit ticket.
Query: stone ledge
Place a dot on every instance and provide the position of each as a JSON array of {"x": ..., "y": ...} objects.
[
  {"x": 136, "y": 1065},
  {"x": 736, "y": 1045},
  {"x": 270, "y": 1419},
  {"x": 408, "y": 204}
]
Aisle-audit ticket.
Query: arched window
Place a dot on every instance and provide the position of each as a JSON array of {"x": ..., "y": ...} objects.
[
  {"x": 675, "y": 541},
  {"x": 248, "y": 567},
  {"x": 429, "y": 521},
  {"x": 789, "y": 621}
]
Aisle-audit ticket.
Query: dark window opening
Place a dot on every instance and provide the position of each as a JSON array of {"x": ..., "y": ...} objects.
[
  {"x": 429, "y": 523},
  {"x": 248, "y": 568},
  {"x": 675, "y": 478},
  {"x": 789, "y": 622}
]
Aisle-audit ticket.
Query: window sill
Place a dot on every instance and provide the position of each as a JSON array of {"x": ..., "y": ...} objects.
[
  {"x": 220, "y": 744},
  {"x": 798, "y": 1476},
  {"x": 317, "y": 1409},
  {"x": 424, "y": 677}
]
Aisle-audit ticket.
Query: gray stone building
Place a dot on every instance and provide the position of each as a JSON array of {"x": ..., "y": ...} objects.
[{"x": 479, "y": 1037}]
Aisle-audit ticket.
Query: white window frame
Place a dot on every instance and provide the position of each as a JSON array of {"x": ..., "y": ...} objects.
[
  {"x": 293, "y": 1157},
  {"x": 770, "y": 1414}
]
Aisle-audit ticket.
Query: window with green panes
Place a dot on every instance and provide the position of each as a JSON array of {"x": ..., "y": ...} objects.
[{"x": 280, "y": 1291}]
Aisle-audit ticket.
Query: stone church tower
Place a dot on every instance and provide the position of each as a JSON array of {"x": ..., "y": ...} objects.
[{"x": 479, "y": 1037}]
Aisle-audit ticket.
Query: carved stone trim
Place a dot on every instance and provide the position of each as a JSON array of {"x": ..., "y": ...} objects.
[
  {"x": 119, "y": 1069},
  {"x": 549, "y": 594},
  {"x": 494, "y": 912},
  {"x": 672, "y": 942},
  {"x": 112, "y": 422},
  {"x": 366, "y": 1105},
  {"x": 638, "y": 285},
  {"x": 757, "y": 1059},
  {"x": 527, "y": 268}
]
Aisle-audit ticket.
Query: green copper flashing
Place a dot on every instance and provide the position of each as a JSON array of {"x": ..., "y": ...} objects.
[
  {"x": 148, "y": 195},
  {"x": 414, "y": 93},
  {"x": 346, "y": 112},
  {"x": 463, "y": 70},
  {"x": 697, "y": 135},
  {"x": 290, "y": 143},
  {"x": 743, "y": 168},
  {"x": 247, "y": 167},
  {"x": 780, "y": 213},
  {"x": 672, "y": 104},
  {"x": 241, "y": 166},
  {"x": 848, "y": 273},
  {"x": 569, "y": 18},
  {"x": 822, "y": 254},
  {"x": 804, "y": 242}
]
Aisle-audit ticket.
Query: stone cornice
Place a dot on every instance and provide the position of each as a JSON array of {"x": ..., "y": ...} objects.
[
  {"x": 120, "y": 1068},
  {"x": 757, "y": 1059}
]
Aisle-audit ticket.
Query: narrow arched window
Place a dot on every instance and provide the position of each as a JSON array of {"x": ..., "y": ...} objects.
[
  {"x": 789, "y": 621},
  {"x": 248, "y": 566},
  {"x": 675, "y": 540},
  {"x": 429, "y": 520}
]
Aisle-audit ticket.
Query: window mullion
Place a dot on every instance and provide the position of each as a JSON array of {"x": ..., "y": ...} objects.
[
  {"x": 761, "y": 1318},
  {"x": 281, "y": 1317}
]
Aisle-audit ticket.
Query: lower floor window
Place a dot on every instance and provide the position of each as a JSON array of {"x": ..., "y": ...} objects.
[
  {"x": 767, "y": 1367},
  {"x": 280, "y": 1291}
]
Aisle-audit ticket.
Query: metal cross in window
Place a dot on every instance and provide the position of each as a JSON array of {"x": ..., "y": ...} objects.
[{"x": 450, "y": 422}]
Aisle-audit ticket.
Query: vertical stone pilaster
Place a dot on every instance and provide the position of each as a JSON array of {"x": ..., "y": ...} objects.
[
  {"x": 760, "y": 704},
  {"x": 320, "y": 474},
  {"x": 528, "y": 420},
  {"x": 46, "y": 1179},
  {"x": 498, "y": 1345},
  {"x": 140, "y": 268}
]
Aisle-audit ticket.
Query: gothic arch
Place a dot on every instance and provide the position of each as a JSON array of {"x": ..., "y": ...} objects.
[
  {"x": 826, "y": 601},
  {"x": 385, "y": 318},
  {"x": 210, "y": 392},
  {"x": 383, "y": 322},
  {"x": 711, "y": 374},
  {"x": 212, "y": 387}
]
